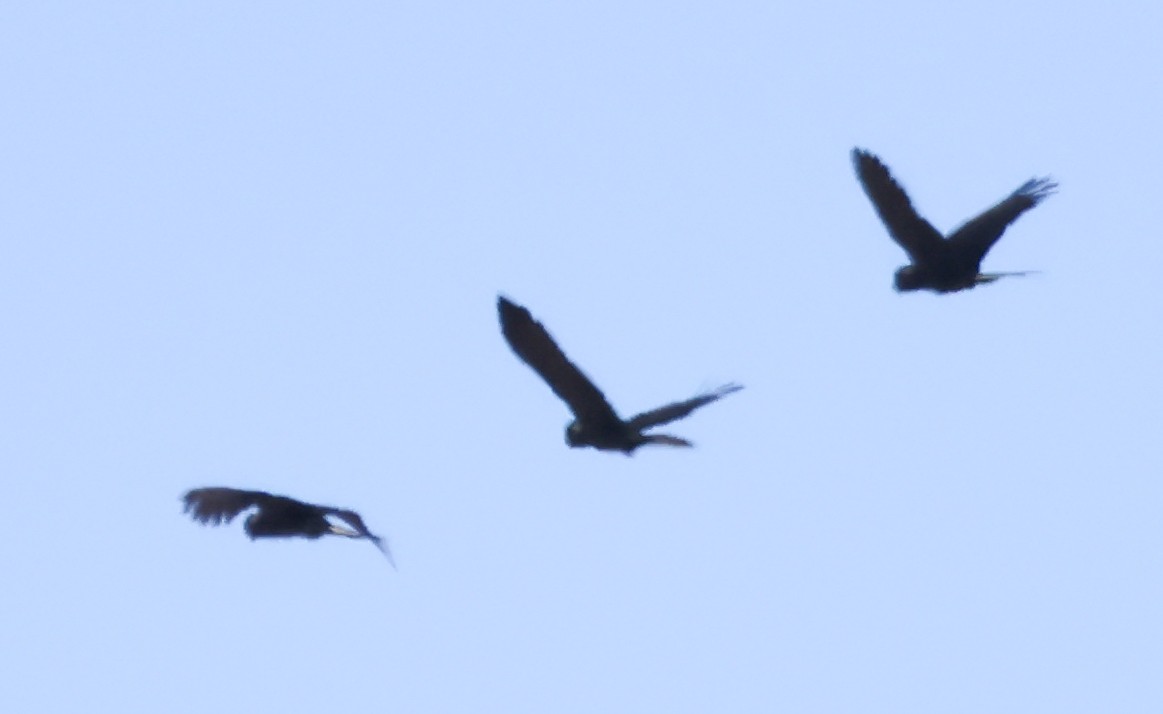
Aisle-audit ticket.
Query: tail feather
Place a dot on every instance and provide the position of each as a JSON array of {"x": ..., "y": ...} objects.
[
  {"x": 990, "y": 277},
  {"x": 666, "y": 440},
  {"x": 383, "y": 546},
  {"x": 378, "y": 541}
]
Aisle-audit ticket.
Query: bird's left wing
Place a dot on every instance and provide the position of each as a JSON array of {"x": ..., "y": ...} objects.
[
  {"x": 534, "y": 345},
  {"x": 917, "y": 236}
]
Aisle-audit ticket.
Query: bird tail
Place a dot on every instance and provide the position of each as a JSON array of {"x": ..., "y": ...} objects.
[
  {"x": 383, "y": 546},
  {"x": 378, "y": 541},
  {"x": 990, "y": 277},
  {"x": 666, "y": 440}
]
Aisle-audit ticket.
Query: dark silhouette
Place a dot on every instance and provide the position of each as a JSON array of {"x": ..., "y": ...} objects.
[
  {"x": 595, "y": 422},
  {"x": 942, "y": 264},
  {"x": 276, "y": 516}
]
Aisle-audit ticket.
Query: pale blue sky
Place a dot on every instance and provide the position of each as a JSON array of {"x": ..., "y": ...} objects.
[{"x": 259, "y": 245}]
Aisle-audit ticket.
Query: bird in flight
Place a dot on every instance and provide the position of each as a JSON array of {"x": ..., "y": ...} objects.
[
  {"x": 276, "y": 516},
  {"x": 942, "y": 264},
  {"x": 595, "y": 422}
]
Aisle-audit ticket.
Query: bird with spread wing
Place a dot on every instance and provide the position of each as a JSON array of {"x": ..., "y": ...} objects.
[
  {"x": 595, "y": 422},
  {"x": 276, "y": 516},
  {"x": 942, "y": 264}
]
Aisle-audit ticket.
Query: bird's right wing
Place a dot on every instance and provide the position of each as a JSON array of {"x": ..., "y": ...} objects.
[
  {"x": 534, "y": 345},
  {"x": 978, "y": 235},
  {"x": 670, "y": 412},
  {"x": 912, "y": 232},
  {"x": 219, "y": 504}
]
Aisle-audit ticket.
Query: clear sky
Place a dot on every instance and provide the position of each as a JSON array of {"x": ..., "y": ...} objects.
[{"x": 259, "y": 244}]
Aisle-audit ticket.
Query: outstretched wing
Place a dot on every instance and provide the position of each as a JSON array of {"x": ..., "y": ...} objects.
[
  {"x": 220, "y": 505},
  {"x": 977, "y": 236},
  {"x": 917, "y": 236},
  {"x": 353, "y": 519},
  {"x": 534, "y": 345},
  {"x": 678, "y": 410}
]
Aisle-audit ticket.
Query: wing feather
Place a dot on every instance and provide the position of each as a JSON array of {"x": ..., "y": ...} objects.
[{"x": 534, "y": 345}]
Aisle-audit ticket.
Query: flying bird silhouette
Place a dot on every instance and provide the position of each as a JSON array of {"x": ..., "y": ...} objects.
[
  {"x": 942, "y": 264},
  {"x": 276, "y": 516},
  {"x": 595, "y": 422}
]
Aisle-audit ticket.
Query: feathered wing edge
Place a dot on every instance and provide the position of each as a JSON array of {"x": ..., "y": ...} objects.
[
  {"x": 219, "y": 504},
  {"x": 1038, "y": 189}
]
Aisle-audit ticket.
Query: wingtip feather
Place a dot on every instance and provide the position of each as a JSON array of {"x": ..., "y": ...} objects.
[
  {"x": 1037, "y": 189},
  {"x": 729, "y": 388},
  {"x": 508, "y": 311}
]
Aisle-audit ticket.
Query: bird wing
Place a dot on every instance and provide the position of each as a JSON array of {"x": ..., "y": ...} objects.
[
  {"x": 977, "y": 236},
  {"x": 354, "y": 520},
  {"x": 220, "y": 505},
  {"x": 534, "y": 345},
  {"x": 678, "y": 410},
  {"x": 912, "y": 232}
]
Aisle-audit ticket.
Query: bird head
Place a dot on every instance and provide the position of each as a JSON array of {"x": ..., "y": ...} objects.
[
  {"x": 248, "y": 525},
  {"x": 573, "y": 434},
  {"x": 907, "y": 278}
]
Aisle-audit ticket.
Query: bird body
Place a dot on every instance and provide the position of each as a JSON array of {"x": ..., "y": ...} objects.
[
  {"x": 595, "y": 422},
  {"x": 941, "y": 264},
  {"x": 288, "y": 519}
]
